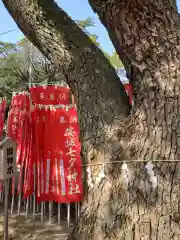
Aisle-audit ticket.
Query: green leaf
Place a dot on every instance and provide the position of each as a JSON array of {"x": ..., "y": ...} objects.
[
  {"x": 5, "y": 46},
  {"x": 84, "y": 24},
  {"x": 115, "y": 61}
]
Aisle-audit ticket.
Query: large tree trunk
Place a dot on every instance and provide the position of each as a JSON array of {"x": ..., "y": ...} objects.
[{"x": 146, "y": 36}]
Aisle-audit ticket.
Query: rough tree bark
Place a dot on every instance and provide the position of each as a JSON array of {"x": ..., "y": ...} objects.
[
  {"x": 147, "y": 38},
  {"x": 146, "y": 35}
]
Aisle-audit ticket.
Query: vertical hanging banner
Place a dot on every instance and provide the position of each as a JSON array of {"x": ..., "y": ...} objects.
[
  {"x": 2, "y": 115},
  {"x": 18, "y": 122},
  {"x": 28, "y": 187},
  {"x": 39, "y": 119},
  {"x": 13, "y": 119},
  {"x": 68, "y": 150},
  {"x": 128, "y": 88},
  {"x": 57, "y": 147},
  {"x": 24, "y": 130},
  {"x": 48, "y": 167},
  {"x": 59, "y": 164},
  {"x": 19, "y": 107},
  {"x": 50, "y": 95},
  {"x": 18, "y": 129}
]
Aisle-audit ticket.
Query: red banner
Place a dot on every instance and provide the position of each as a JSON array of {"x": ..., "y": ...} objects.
[
  {"x": 18, "y": 129},
  {"x": 13, "y": 185},
  {"x": 19, "y": 108},
  {"x": 1, "y": 186},
  {"x": 18, "y": 123},
  {"x": 50, "y": 95},
  {"x": 2, "y": 114},
  {"x": 128, "y": 88},
  {"x": 48, "y": 145},
  {"x": 59, "y": 163},
  {"x": 39, "y": 120},
  {"x": 14, "y": 123},
  {"x": 28, "y": 186}
]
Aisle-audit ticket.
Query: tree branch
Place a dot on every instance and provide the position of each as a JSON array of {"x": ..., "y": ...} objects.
[
  {"x": 101, "y": 99},
  {"x": 138, "y": 29},
  {"x": 52, "y": 30}
]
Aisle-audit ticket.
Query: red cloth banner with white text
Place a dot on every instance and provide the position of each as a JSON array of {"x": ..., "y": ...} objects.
[
  {"x": 47, "y": 145},
  {"x": 14, "y": 119},
  {"x": 18, "y": 129},
  {"x": 59, "y": 164},
  {"x": 50, "y": 95},
  {"x": 18, "y": 123}
]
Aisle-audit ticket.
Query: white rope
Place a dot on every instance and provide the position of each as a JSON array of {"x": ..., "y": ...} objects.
[
  {"x": 54, "y": 107},
  {"x": 56, "y": 84},
  {"x": 129, "y": 161}
]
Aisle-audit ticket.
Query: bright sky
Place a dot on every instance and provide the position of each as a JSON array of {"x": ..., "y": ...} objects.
[{"x": 79, "y": 10}]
